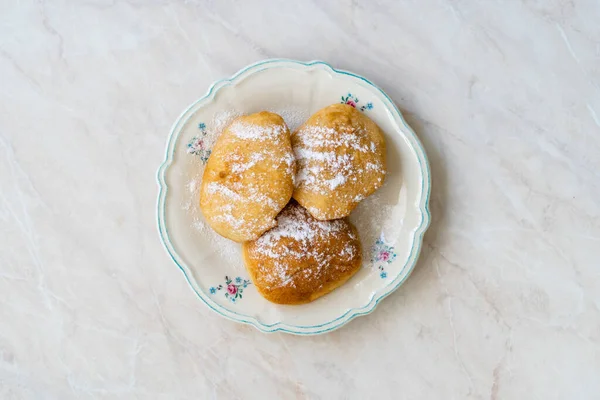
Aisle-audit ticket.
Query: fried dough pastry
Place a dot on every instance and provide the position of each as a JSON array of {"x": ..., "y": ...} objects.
[
  {"x": 302, "y": 258},
  {"x": 340, "y": 154},
  {"x": 248, "y": 178}
]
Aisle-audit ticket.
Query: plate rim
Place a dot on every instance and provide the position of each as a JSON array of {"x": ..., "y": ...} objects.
[{"x": 350, "y": 313}]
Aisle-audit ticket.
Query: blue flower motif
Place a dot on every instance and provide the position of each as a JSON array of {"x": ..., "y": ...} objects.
[
  {"x": 369, "y": 106},
  {"x": 232, "y": 299},
  {"x": 349, "y": 94},
  {"x": 238, "y": 280},
  {"x": 202, "y": 126},
  {"x": 212, "y": 290},
  {"x": 383, "y": 274}
]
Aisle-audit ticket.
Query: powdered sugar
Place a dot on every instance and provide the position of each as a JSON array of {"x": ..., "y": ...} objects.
[
  {"x": 293, "y": 116},
  {"x": 256, "y": 195},
  {"x": 214, "y": 188},
  {"x": 295, "y": 223},
  {"x": 321, "y": 136},
  {"x": 358, "y": 198},
  {"x": 338, "y": 180},
  {"x": 222, "y": 119},
  {"x": 226, "y": 250},
  {"x": 261, "y": 133},
  {"x": 215, "y": 127},
  {"x": 300, "y": 237},
  {"x": 311, "y": 164},
  {"x": 237, "y": 167},
  {"x": 374, "y": 166},
  {"x": 192, "y": 186},
  {"x": 375, "y": 216},
  {"x": 319, "y": 151}
]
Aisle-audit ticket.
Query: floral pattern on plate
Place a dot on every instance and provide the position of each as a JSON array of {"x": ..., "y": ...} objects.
[
  {"x": 233, "y": 288},
  {"x": 353, "y": 101},
  {"x": 197, "y": 144},
  {"x": 382, "y": 254}
]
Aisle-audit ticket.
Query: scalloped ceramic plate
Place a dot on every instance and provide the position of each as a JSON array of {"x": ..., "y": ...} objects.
[{"x": 391, "y": 223}]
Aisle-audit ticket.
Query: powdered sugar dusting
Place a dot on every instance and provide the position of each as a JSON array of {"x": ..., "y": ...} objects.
[
  {"x": 293, "y": 116},
  {"x": 226, "y": 250},
  {"x": 214, "y": 188},
  {"x": 338, "y": 180},
  {"x": 215, "y": 127},
  {"x": 379, "y": 215},
  {"x": 294, "y": 223},
  {"x": 315, "y": 153},
  {"x": 223, "y": 119},
  {"x": 297, "y": 237},
  {"x": 248, "y": 131}
]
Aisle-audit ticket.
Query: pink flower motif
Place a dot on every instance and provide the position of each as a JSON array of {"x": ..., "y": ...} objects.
[
  {"x": 231, "y": 289},
  {"x": 385, "y": 255},
  {"x": 351, "y": 103}
]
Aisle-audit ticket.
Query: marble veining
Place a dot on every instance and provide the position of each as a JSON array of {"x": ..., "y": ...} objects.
[{"x": 504, "y": 302}]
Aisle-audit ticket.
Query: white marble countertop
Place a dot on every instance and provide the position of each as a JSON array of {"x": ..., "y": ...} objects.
[{"x": 505, "y": 300}]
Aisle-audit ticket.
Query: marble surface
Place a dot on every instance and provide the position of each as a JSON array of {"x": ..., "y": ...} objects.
[{"x": 504, "y": 302}]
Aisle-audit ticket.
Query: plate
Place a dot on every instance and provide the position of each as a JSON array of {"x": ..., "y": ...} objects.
[{"x": 391, "y": 223}]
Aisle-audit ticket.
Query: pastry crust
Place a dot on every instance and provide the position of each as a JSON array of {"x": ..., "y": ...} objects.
[
  {"x": 340, "y": 154},
  {"x": 302, "y": 258},
  {"x": 249, "y": 176}
]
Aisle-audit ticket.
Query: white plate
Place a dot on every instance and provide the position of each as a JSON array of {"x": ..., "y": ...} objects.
[{"x": 391, "y": 223}]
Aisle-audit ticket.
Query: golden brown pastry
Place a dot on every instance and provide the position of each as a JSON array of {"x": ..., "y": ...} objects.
[
  {"x": 248, "y": 178},
  {"x": 341, "y": 160},
  {"x": 302, "y": 258}
]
